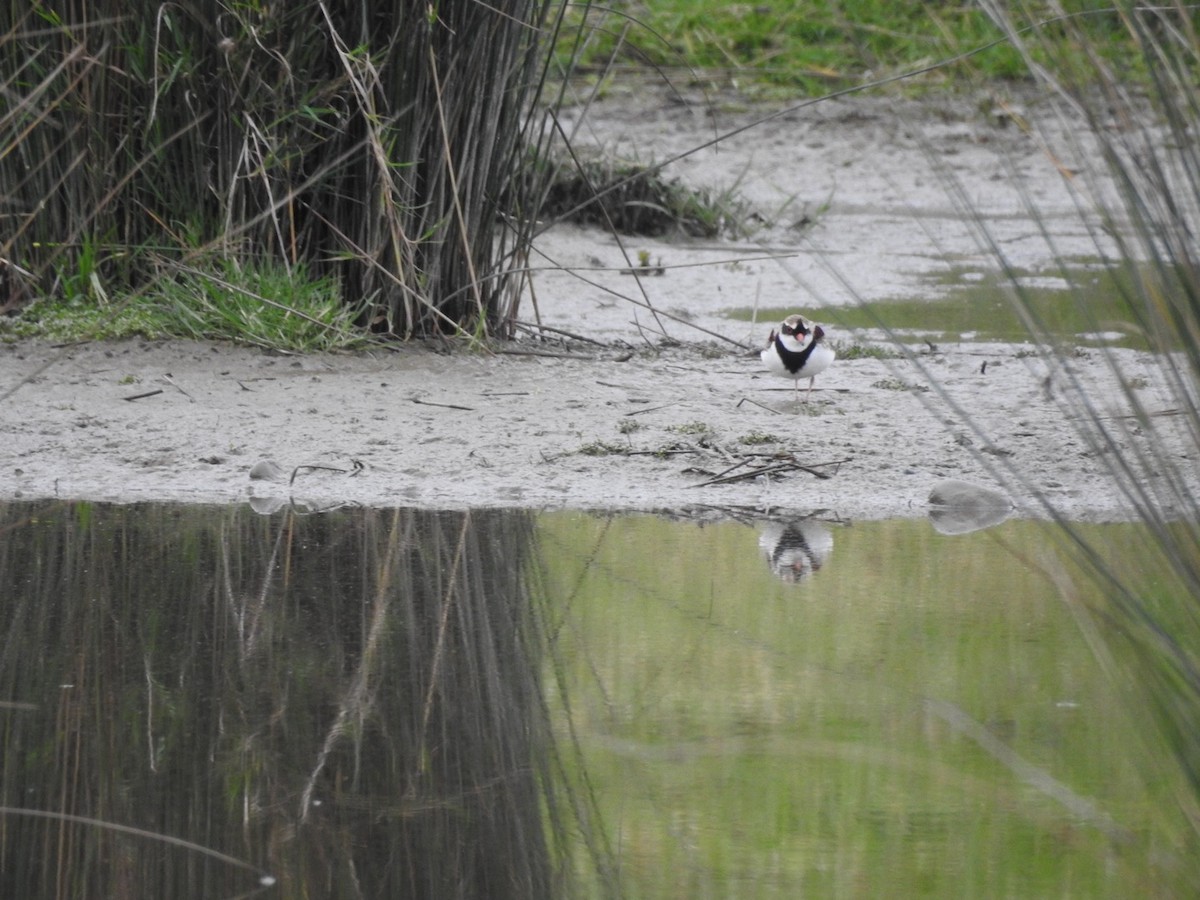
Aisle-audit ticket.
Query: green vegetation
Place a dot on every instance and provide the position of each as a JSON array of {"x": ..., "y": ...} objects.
[
  {"x": 695, "y": 429},
  {"x": 758, "y": 438},
  {"x": 602, "y": 448},
  {"x": 827, "y": 45},
  {"x": 138, "y": 138},
  {"x": 264, "y": 305},
  {"x": 846, "y": 352},
  {"x": 899, "y": 384},
  {"x": 355, "y": 156}
]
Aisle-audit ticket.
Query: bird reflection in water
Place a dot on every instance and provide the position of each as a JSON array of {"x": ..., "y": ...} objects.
[{"x": 796, "y": 549}]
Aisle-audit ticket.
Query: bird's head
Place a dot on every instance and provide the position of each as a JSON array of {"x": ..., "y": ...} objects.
[
  {"x": 795, "y": 333},
  {"x": 793, "y": 326}
]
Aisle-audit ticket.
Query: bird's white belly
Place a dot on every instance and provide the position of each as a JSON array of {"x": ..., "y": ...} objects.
[{"x": 818, "y": 361}]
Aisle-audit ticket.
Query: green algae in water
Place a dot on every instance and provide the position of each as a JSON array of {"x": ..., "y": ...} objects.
[
  {"x": 1078, "y": 306},
  {"x": 745, "y": 736}
]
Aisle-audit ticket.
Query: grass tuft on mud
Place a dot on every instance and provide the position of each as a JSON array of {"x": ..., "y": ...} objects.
[{"x": 638, "y": 200}]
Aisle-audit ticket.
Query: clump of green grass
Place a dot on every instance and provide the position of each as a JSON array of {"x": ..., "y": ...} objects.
[
  {"x": 73, "y": 320},
  {"x": 899, "y": 384},
  {"x": 758, "y": 438},
  {"x": 847, "y": 352},
  {"x": 602, "y": 448},
  {"x": 263, "y": 304},
  {"x": 697, "y": 429},
  {"x": 813, "y": 410}
]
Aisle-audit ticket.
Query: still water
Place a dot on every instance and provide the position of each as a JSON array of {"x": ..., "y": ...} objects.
[
  {"x": 1091, "y": 302},
  {"x": 209, "y": 702}
]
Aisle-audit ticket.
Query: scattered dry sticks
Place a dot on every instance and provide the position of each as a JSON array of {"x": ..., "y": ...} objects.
[
  {"x": 778, "y": 464},
  {"x": 745, "y": 466},
  {"x": 538, "y": 330}
]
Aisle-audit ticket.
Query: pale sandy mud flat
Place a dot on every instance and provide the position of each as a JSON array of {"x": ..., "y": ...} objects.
[{"x": 682, "y": 395}]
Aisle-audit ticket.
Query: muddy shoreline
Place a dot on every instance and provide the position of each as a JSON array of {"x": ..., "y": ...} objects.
[
  {"x": 860, "y": 207},
  {"x": 415, "y": 428}
]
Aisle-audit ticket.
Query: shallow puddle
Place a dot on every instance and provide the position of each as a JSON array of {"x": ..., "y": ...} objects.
[
  {"x": 207, "y": 702},
  {"x": 1087, "y": 305}
]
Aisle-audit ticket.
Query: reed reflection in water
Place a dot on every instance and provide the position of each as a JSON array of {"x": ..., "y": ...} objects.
[
  {"x": 347, "y": 704},
  {"x": 498, "y": 704}
]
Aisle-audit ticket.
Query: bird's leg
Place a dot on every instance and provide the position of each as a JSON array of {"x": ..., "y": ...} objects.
[{"x": 809, "y": 394}]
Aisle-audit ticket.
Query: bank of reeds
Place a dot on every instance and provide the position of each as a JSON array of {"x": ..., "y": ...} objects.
[
  {"x": 1142, "y": 207},
  {"x": 352, "y": 704},
  {"x": 387, "y": 145}
]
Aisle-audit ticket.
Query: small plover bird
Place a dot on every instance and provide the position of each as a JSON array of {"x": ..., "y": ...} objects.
[{"x": 798, "y": 351}]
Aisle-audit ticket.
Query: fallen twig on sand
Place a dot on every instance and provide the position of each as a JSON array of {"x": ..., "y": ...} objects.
[
  {"x": 759, "y": 405},
  {"x": 547, "y": 353},
  {"x": 650, "y": 409},
  {"x": 442, "y": 405}
]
